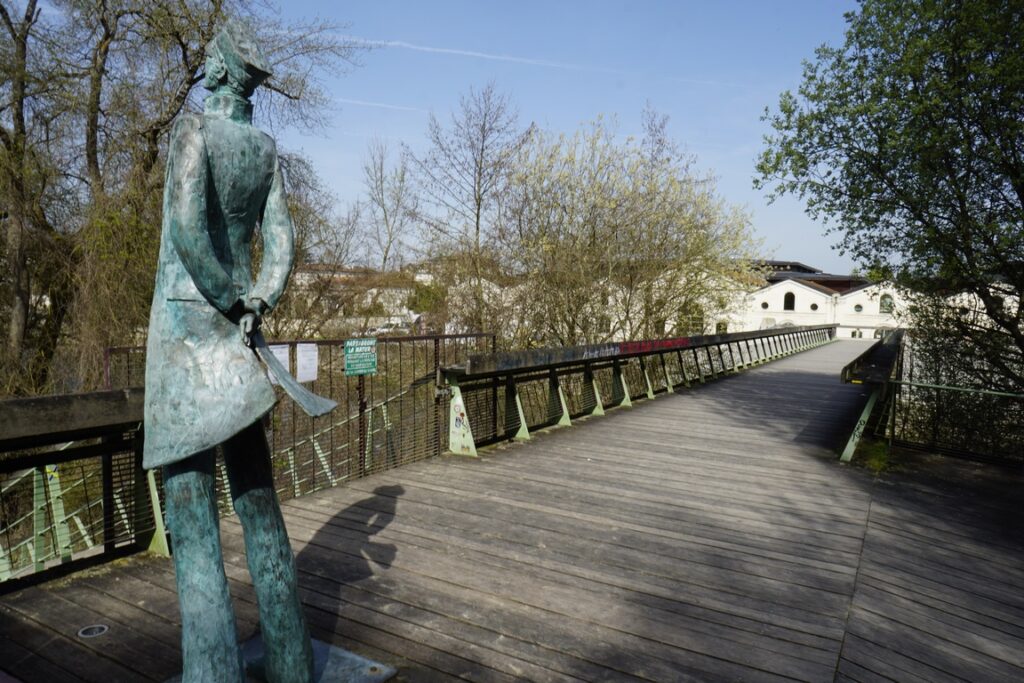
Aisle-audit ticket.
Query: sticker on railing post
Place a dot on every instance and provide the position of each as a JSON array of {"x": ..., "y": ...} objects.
[{"x": 460, "y": 435}]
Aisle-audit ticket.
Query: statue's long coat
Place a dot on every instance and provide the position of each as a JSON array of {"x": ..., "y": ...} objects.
[{"x": 203, "y": 384}]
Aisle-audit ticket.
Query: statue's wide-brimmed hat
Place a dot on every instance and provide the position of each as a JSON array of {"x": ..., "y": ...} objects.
[{"x": 238, "y": 48}]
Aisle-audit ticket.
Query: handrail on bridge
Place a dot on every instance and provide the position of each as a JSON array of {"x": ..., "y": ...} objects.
[
  {"x": 959, "y": 421},
  {"x": 552, "y": 386},
  {"x": 875, "y": 365},
  {"x": 56, "y": 454},
  {"x": 874, "y": 368}
]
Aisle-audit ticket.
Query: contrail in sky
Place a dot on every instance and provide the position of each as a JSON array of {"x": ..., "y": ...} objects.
[
  {"x": 401, "y": 44},
  {"x": 379, "y": 105}
]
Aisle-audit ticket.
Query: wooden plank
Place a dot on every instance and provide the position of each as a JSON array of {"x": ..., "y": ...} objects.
[
  {"x": 159, "y": 572},
  {"x": 940, "y": 626},
  {"x": 620, "y": 654},
  {"x": 24, "y": 664},
  {"x": 638, "y": 502},
  {"x": 50, "y": 649},
  {"x": 944, "y": 604},
  {"x": 888, "y": 663},
  {"x": 657, "y": 563},
  {"x": 578, "y": 603},
  {"x": 792, "y": 594},
  {"x": 931, "y": 655},
  {"x": 123, "y": 643},
  {"x": 52, "y": 419},
  {"x": 646, "y": 484}
]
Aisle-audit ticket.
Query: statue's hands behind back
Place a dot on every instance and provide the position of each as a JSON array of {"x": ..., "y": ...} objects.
[
  {"x": 247, "y": 324},
  {"x": 251, "y": 319}
]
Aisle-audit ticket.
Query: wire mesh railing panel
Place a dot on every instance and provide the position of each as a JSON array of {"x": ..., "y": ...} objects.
[
  {"x": 579, "y": 395},
  {"x": 125, "y": 367},
  {"x": 383, "y": 420},
  {"x": 674, "y": 369},
  {"x": 634, "y": 377},
  {"x": 481, "y": 399},
  {"x": 69, "y": 508},
  {"x": 538, "y": 406},
  {"x": 962, "y": 422},
  {"x": 605, "y": 378},
  {"x": 656, "y": 369}
]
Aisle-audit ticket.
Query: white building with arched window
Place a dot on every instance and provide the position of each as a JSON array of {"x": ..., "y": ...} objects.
[{"x": 861, "y": 311}]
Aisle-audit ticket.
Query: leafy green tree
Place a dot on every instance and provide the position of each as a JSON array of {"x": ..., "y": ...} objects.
[{"x": 909, "y": 139}]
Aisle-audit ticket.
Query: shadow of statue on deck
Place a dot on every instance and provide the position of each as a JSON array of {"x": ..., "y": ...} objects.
[{"x": 343, "y": 553}]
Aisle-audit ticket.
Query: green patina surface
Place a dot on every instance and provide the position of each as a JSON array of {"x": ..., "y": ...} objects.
[{"x": 205, "y": 386}]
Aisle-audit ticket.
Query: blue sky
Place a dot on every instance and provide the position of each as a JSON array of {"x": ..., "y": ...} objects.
[{"x": 712, "y": 67}]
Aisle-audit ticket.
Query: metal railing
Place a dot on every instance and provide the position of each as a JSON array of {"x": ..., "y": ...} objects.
[
  {"x": 382, "y": 420},
  {"x": 963, "y": 422},
  {"x": 71, "y": 481},
  {"x": 911, "y": 413},
  {"x": 874, "y": 368},
  {"x": 503, "y": 396}
]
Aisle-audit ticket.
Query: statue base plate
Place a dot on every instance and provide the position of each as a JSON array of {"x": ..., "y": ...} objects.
[{"x": 331, "y": 664}]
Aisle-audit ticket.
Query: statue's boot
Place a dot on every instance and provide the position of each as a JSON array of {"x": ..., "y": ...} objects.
[
  {"x": 209, "y": 643},
  {"x": 288, "y": 652}
]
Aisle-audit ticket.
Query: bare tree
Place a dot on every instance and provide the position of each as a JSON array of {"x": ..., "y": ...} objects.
[
  {"x": 463, "y": 176},
  {"x": 391, "y": 204},
  {"x": 88, "y": 92},
  {"x": 318, "y": 297}
]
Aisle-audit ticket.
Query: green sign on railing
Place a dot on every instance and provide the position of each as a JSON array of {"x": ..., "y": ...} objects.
[{"x": 360, "y": 357}]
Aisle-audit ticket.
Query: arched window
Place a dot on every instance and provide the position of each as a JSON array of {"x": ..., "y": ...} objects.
[
  {"x": 789, "y": 302},
  {"x": 721, "y": 327},
  {"x": 885, "y": 304}
]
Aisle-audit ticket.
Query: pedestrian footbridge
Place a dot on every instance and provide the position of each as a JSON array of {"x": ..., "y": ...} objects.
[{"x": 709, "y": 534}]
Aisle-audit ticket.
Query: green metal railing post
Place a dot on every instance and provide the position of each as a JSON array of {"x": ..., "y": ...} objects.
[
  {"x": 647, "y": 377},
  {"x": 664, "y": 370},
  {"x": 682, "y": 369},
  {"x": 556, "y": 400},
  {"x": 61, "y": 529},
  {"x": 390, "y": 451},
  {"x": 158, "y": 543},
  {"x": 460, "y": 435},
  {"x": 590, "y": 384},
  {"x": 368, "y": 443},
  {"x": 39, "y": 526},
  {"x": 514, "y": 406},
  {"x": 858, "y": 430},
  {"x": 619, "y": 378},
  {"x": 5, "y": 564},
  {"x": 893, "y": 397}
]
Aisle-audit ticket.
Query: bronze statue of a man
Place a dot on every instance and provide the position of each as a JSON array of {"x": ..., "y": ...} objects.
[{"x": 204, "y": 385}]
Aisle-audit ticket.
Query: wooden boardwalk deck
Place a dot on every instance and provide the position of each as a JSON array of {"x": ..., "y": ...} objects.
[{"x": 707, "y": 536}]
